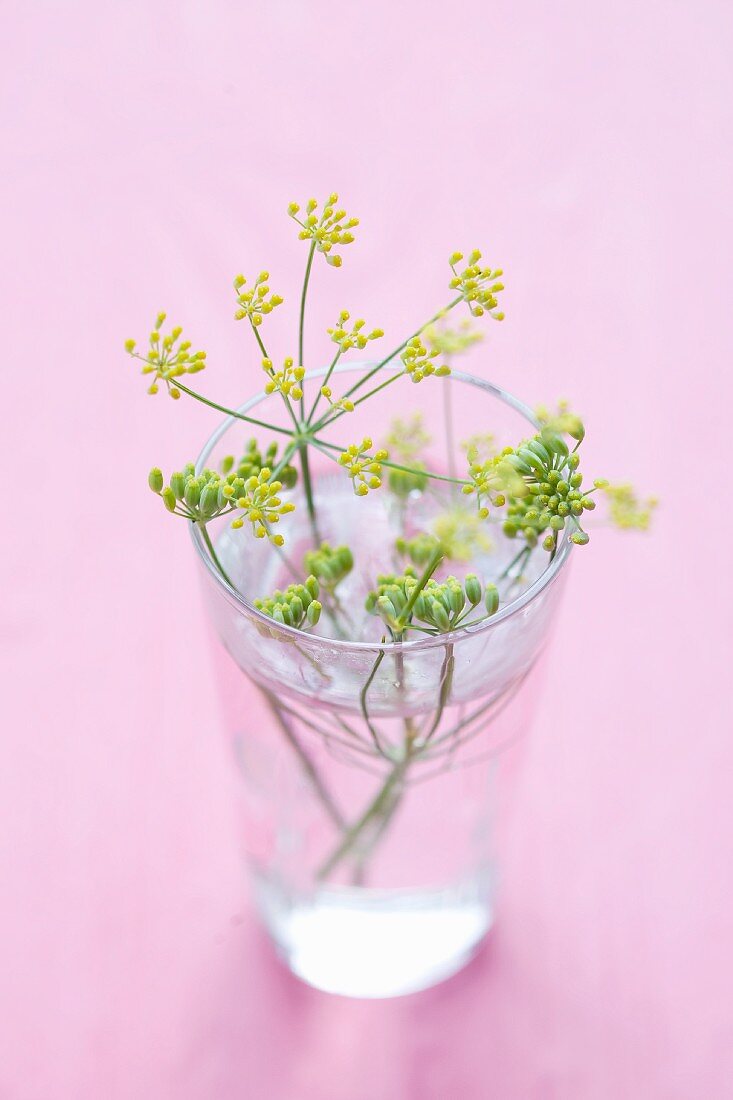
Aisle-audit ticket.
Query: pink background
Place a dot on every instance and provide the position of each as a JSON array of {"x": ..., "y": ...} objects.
[{"x": 150, "y": 150}]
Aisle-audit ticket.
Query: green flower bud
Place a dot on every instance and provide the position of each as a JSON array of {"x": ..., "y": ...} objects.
[
  {"x": 491, "y": 599},
  {"x": 473, "y": 589},
  {"x": 210, "y": 499},
  {"x": 155, "y": 479},
  {"x": 314, "y": 612},
  {"x": 580, "y": 538},
  {"x": 312, "y": 586},
  {"x": 169, "y": 499},
  {"x": 192, "y": 494},
  {"x": 178, "y": 485},
  {"x": 439, "y": 615}
]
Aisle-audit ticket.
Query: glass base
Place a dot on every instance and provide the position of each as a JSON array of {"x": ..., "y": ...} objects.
[{"x": 368, "y": 943}]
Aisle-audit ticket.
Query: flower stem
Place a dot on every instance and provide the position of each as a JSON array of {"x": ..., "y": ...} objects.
[
  {"x": 301, "y": 325},
  {"x": 370, "y": 373},
  {"x": 231, "y": 412},
  {"x": 214, "y": 557},
  {"x": 326, "y": 420},
  {"x": 324, "y": 447}
]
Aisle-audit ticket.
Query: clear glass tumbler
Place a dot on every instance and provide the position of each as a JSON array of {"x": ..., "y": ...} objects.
[{"x": 371, "y": 768}]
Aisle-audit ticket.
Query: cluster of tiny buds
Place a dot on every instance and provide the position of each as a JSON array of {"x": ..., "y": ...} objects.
[
  {"x": 258, "y": 499},
  {"x": 329, "y": 564},
  {"x": 551, "y": 494},
  {"x": 407, "y": 438},
  {"x": 355, "y": 337},
  {"x": 418, "y": 361},
  {"x": 625, "y": 508},
  {"x": 488, "y": 481},
  {"x": 296, "y": 605},
  {"x": 441, "y": 605},
  {"x": 405, "y": 482},
  {"x": 420, "y": 548},
  {"x": 257, "y": 302},
  {"x": 447, "y": 341},
  {"x": 286, "y": 381},
  {"x": 331, "y": 228},
  {"x": 457, "y": 535},
  {"x": 196, "y": 497},
  {"x": 167, "y": 357},
  {"x": 478, "y": 285},
  {"x": 253, "y": 460},
  {"x": 203, "y": 497},
  {"x": 363, "y": 468}
]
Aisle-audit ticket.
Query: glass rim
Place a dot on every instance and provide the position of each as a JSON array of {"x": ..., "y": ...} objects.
[{"x": 290, "y": 633}]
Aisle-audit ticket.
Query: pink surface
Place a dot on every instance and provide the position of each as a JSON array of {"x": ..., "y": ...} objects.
[{"x": 150, "y": 150}]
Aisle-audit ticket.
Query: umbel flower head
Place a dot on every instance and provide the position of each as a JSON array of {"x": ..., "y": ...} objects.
[
  {"x": 625, "y": 508},
  {"x": 363, "y": 468},
  {"x": 452, "y": 341},
  {"x": 203, "y": 497},
  {"x": 551, "y": 496},
  {"x": 329, "y": 564},
  {"x": 563, "y": 421},
  {"x": 258, "y": 501},
  {"x": 407, "y": 439},
  {"x": 477, "y": 285},
  {"x": 256, "y": 302},
  {"x": 354, "y": 337},
  {"x": 488, "y": 480},
  {"x": 195, "y": 496},
  {"x": 296, "y": 605},
  {"x": 330, "y": 228},
  {"x": 441, "y": 605},
  {"x": 253, "y": 460},
  {"x": 167, "y": 357},
  {"x": 286, "y": 381},
  {"x": 418, "y": 361},
  {"x": 456, "y": 533}
]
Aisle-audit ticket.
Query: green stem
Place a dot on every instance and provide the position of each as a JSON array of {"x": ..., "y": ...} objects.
[
  {"x": 301, "y": 325},
  {"x": 308, "y": 489},
  {"x": 231, "y": 412},
  {"x": 524, "y": 552},
  {"x": 329, "y": 372},
  {"x": 374, "y": 811},
  {"x": 370, "y": 373},
  {"x": 214, "y": 557},
  {"x": 363, "y": 703},
  {"x": 307, "y": 764},
  {"x": 430, "y": 568},
  {"x": 326, "y": 420},
  {"x": 324, "y": 447},
  {"x": 450, "y": 442},
  {"x": 446, "y": 683}
]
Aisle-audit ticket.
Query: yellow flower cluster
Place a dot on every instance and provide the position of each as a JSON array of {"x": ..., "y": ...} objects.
[
  {"x": 331, "y": 228},
  {"x": 477, "y": 285},
  {"x": 407, "y": 439},
  {"x": 625, "y": 508},
  {"x": 363, "y": 468},
  {"x": 257, "y": 302},
  {"x": 261, "y": 505},
  {"x": 489, "y": 481},
  {"x": 355, "y": 338},
  {"x": 286, "y": 381},
  {"x": 452, "y": 341},
  {"x": 563, "y": 421},
  {"x": 167, "y": 358},
  {"x": 418, "y": 361}
]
